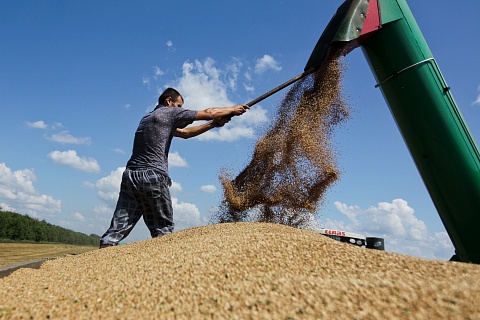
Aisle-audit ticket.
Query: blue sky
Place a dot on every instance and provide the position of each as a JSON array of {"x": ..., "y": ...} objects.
[{"x": 77, "y": 76}]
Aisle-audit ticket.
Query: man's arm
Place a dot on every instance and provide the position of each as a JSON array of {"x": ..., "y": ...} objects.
[
  {"x": 191, "y": 132},
  {"x": 220, "y": 117},
  {"x": 217, "y": 113}
]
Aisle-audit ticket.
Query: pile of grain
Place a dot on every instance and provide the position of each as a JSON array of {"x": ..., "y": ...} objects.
[
  {"x": 294, "y": 163},
  {"x": 242, "y": 271}
]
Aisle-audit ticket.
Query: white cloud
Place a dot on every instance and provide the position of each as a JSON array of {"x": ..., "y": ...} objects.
[
  {"x": 157, "y": 72},
  {"x": 109, "y": 186},
  {"x": 202, "y": 87},
  {"x": 265, "y": 63},
  {"x": 6, "y": 207},
  {"x": 65, "y": 137},
  {"x": 17, "y": 192},
  {"x": 477, "y": 102},
  {"x": 57, "y": 125},
  {"x": 227, "y": 134},
  {"x": 37, "y": 124},
  {"x": 232, "y": 71},
  {"x": 118, "y": 150},
  {"x": 176, "y": 186},
  {"x": 186, "y": 215},
  {"x": 78, "y": 216},
  {"x": 209, "y": 188},
  {"x": 175, "y": 160},
  {"x": 71, "y": 159},
  {"x": 396, "y": 218},
  {"x": 105, "y": 211},
  {"x": 16, "y": 181},
  {"x": 395, "y": 222},
  {"x": 88, "y": 184},
  {"x": 170, "y": 45},
  {"x": 248, "y": 87}
]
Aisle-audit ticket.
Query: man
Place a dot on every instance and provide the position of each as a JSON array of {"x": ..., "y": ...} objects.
[{"x": 145, "y": 181}]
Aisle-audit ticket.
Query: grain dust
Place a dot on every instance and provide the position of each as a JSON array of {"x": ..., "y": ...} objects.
[{"x": 294, "y": 163}]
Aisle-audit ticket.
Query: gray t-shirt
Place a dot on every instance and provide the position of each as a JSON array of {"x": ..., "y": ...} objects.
[{"x": 154, "y": 136}]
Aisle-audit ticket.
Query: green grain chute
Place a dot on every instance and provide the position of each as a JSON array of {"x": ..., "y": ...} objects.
[{"x": 423, "y": 107}]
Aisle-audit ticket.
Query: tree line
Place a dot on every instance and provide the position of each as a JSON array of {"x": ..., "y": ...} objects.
[{"x": 17, "y": 227}]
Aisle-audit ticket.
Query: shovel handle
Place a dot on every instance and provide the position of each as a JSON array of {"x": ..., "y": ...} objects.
[{"x": 280, "y": 87}]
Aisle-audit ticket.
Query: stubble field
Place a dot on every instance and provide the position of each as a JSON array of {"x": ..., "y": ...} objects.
[{"x": 13, "y": 253}]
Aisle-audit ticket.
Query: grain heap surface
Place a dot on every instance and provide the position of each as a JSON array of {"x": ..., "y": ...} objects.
[
  {"x": 242, "y": 271},
  {"x": 294, "y": 163}
]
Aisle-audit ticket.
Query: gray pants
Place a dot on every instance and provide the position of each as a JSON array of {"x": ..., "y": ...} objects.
[{"x": 143, "y": 192}]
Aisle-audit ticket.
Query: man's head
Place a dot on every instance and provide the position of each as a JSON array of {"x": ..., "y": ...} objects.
[{"x": 170, "y": 98}]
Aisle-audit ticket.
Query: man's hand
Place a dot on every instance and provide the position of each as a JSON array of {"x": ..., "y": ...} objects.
[
  {"x": 239, "y": 109},
  {"x": 221, "y": 121}
]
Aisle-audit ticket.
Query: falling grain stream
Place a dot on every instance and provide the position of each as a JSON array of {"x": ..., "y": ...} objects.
[{"x": 294, "y": 164}]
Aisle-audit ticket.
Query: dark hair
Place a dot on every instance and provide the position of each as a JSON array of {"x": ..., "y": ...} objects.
[{"x": 169, "y": 92}]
